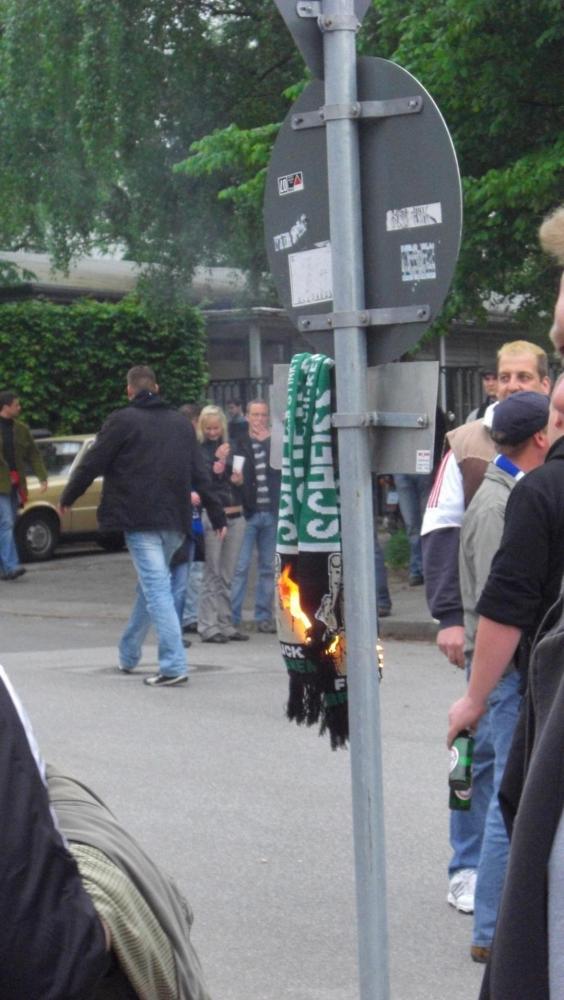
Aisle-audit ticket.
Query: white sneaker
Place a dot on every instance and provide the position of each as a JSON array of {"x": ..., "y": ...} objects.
[{"x": 461, "y": 889}]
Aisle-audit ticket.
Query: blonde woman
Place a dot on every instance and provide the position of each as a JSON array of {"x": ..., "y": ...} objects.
[{"x": 215, "y": 623}]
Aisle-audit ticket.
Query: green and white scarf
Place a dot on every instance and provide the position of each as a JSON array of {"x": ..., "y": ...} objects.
[{"x": 310, "y": 614}]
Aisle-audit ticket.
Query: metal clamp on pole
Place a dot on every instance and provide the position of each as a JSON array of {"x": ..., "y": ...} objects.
[
  {"x": 361, "y": 110},
  {"x": 365, "y": 317},
  {"x": 376, "y": 418},
  {"x": 338, "y": 22}
]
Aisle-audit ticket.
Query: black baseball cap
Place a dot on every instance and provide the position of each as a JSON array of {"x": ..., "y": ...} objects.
[{"x": 519, "y": 417}]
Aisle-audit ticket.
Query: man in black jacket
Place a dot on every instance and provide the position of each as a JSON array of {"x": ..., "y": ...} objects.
[{"x": 149, "y": 458}]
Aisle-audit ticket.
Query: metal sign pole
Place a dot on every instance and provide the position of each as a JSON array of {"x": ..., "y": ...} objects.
[{"x": 339, "y": 43}]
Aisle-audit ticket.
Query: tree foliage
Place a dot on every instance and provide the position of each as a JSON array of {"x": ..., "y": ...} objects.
[
  {"x": 77, "y": 356},
  {"x": 495, "y": 72},
  {"x": 99, "y": 99},
  {"x": 148, "y": 124}
]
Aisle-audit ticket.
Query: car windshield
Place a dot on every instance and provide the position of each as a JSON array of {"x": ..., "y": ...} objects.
[{"x": 58, "y": 455}]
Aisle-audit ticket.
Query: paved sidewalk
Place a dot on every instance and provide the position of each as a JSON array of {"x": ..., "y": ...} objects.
[{"x": 410, "y": 618}]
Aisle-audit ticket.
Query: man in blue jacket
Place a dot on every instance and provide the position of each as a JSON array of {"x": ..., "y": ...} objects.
[{"x": 149, "y": 458}]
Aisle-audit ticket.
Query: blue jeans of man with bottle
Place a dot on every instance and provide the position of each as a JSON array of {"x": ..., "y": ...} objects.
[
  {"x": 151, "y": 553},
  {"x": 260, "y": 530},
  {"x": 467, "y": 828},
  {"x": 504, "y": 705},
  {"x": 9, "y": 560}
]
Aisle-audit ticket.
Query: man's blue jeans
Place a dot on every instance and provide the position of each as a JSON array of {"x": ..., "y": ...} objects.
[
  {"x": 151, "y": 552},
  {"x": 193, "y": 588},
  {"x": 8, "y": 553},
  {"x": 260, "y": 530},
  {"x": 413, "y": 491},
  {"x": 467, "y": 828},
  {"x": 504, "y": 705}
]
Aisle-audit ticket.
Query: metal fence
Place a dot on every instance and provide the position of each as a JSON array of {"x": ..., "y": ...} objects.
[{"x": 223, "y": 390}]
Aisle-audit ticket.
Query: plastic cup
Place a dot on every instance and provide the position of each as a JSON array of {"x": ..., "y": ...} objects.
[{"x": 238, "y": 463}]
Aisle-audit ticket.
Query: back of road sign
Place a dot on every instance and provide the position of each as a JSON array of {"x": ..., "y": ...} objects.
[
  {"x": 301, "y": 20},
  {"x": 411, "y": 208}
]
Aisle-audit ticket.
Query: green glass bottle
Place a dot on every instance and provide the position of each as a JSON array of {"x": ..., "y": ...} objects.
[
  {"x": 460, "y": 799},
  {"x": 460, "y": 771}
]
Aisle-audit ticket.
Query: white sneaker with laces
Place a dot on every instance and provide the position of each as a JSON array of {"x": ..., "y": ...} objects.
[{"x": 461, "y": 889}]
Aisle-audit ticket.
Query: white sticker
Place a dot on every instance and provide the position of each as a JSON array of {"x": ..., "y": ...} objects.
[
  {"x": 414, "y": 216},
  {"x": 423, "y": 461},
  {"x": 418, "y": 262},
  {"x": 285, "y": 241},
  {"x": 291, "y": 183},
  {"x": 311, "y": 277}
]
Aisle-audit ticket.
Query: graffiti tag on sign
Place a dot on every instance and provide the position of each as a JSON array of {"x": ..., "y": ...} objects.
[{"x": 285, "y": 241}]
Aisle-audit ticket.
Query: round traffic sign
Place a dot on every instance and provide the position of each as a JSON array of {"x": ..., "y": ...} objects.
[{"x": 411, "y": 210}]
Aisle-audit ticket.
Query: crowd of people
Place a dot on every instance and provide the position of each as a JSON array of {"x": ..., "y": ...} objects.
[{"x": 492, "y": 558}]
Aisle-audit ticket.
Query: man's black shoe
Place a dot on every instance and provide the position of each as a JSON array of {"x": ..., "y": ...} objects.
[
  {"x": 191, "y": 627},
  {"x": 217, "y": 638},
  {"x": 15, "y": 573},
  {"x": 161, "y": 680},
  {"x": 239, "y": 637}
]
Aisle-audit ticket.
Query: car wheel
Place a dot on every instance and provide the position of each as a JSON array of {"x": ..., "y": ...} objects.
[
  {"x": 37, "y": 535},
  {"x": 111, "y": 541}
]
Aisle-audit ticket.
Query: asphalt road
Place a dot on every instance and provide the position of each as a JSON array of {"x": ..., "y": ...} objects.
[{"x": 250, "y": 814}]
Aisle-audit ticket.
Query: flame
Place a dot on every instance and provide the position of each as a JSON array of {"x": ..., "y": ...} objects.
[
  {"x": 334, "y": 645},
  {"x": 290, "y": 597}
]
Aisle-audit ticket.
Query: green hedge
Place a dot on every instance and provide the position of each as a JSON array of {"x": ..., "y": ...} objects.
[{"x": 68, "y": 363}]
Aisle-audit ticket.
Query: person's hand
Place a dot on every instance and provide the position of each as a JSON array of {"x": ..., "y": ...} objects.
[
  {"x": 43, "y": 486},
  {"x": 236, "y": 478},
  {"x": 218, "y": 467},
  {"x": 221, "y": 533},
  {"x": 464, "y": 714},
  {"x": 195, "y": 499},
  {"x": 451, "y": 642},
  {"x": 223, "y": 451},
  {"x": 62, "y": 510}
]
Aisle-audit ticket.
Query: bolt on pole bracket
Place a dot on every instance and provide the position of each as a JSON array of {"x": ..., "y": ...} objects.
[{"x": 366, "y": 317}]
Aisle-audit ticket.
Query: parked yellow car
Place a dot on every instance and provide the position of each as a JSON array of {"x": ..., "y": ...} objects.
[{"x": 39, "y": 528}]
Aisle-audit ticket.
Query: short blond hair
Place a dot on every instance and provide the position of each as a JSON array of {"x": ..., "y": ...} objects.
[
  {"x": 526, "y": 347},
  {"x": 216, "y": 413},
  {"x": 551, "y": 234}
]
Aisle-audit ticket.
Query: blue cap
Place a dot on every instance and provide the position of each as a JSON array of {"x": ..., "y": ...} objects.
[{"x": 519, "y": 417}]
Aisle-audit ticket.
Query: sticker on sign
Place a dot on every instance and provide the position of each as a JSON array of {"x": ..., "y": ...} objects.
[
  {"x": 414, "y": 216},
  {"x": 418, "y": 262},
  {"x": 311, "y": 278},
  {"x": 291, "y": 183},
  {"x": 284, "y": 241},
  {"x": 422, "y": 461}
]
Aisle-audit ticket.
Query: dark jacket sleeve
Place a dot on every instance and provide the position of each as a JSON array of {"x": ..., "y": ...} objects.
[
  {"x": 440, "y": 569},
  {"x": 52, "y": 943},
  {"x": 97, "y": 459},
  {"x": 202, "y": 482}
]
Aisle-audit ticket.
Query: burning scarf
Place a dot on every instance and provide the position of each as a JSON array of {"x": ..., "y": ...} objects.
[{"x": 310, "y": 614}]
